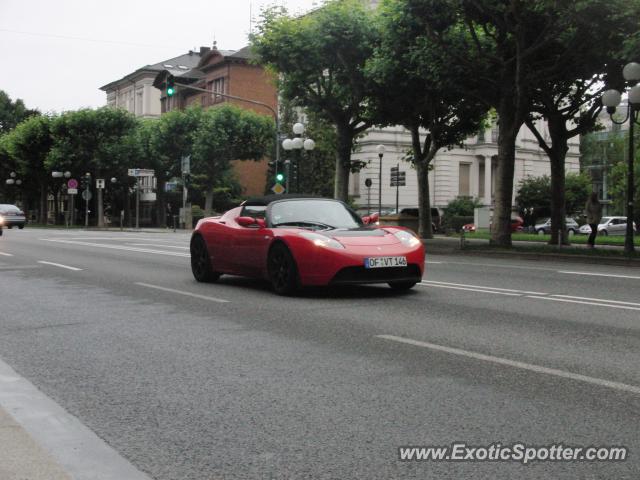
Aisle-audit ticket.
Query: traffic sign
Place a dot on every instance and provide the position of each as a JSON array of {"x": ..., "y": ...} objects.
[
  {"x": 278, "y": 189},
  {"x": 186, "y": 164},
  {"x": 368, "y": 183},
  {"x": 72, "y": 183},
  {"x": 99, "y": 182},
  {"x": 72, "y": 191},
  {"x": 86, "y": 195}
]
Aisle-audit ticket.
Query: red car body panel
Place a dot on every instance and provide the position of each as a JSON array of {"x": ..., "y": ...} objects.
[{"x": 237, "y": 250}]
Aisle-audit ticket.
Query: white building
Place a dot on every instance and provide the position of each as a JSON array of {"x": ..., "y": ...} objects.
[
  {"x": 468, "y": 171},
  {"x": 135, "y": 91}
]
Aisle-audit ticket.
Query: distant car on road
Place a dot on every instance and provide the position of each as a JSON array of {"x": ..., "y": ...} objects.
[
  {"x": 12, "y": 216},
  {"x": 516, "y": 226},
  {"x": 295, "y": 241},
  {"x": 609, "y": 226},
  {"x": 544, "y": 227}
]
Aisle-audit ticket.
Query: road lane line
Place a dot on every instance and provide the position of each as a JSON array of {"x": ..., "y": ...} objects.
[
  {"x": 6, "y": 254},
  {"x": 599, "y": 274},
  {"x": 430, "y": 262},
  {"x": 75, "y": 269},
  {"x": 157, "y": 245},
  {"x": 181, "y": 292},
  {"x": 426, "y": 284},
  {"x": 513, "y": 363},
  {"x": 618, "y": 302},
  {"x": 118, "y": 247},
  {"x": 483, "y": 287},
  {"x": 624, "y": 307}
]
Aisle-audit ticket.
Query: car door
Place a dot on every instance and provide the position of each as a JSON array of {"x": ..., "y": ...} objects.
[{"x": 250, "y": 244}]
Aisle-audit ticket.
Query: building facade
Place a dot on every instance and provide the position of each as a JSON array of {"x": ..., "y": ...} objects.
[
  {"x": 135, "y": 92},
  {"x": 230, "y": 73},
  {"x": 468, "y": 171}
]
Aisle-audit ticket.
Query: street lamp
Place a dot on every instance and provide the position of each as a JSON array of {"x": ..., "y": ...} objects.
[
  {"x": 298, "y": 144},
  {"x": 380, "y": 149},
  {"x": 611, "y": 99}
]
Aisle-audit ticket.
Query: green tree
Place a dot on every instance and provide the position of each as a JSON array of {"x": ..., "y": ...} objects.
[
  {"x": 29, "y": 145},
  {"x": 96, "y": 141},
  {"x": 224, "y": 134},
  {"x": 504, "y": 46},
  {"x": 12, "y": 112},
  {"x": 414, "y": 89},
  {"x": 319, "y": 59},
  {"x": 592, "y": 61},
  {"x": 535, "y": 192}
]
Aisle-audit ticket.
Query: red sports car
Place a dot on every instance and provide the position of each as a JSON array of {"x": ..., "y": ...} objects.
[{"x": 296, "y": 241}]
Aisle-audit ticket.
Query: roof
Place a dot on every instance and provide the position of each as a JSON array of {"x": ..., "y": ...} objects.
[
  {"x": 267, "y": 199},
  {"x": 176, "y": 65},
  {"x": 243, "y": 53}
]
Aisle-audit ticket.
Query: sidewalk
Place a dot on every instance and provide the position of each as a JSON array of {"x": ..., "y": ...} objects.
[{"x": 604, "y": 254}]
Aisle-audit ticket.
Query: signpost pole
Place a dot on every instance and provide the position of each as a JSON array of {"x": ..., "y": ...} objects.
[
  {"x": 137, "y": 203},
  {"x": 398, "y": 189}
]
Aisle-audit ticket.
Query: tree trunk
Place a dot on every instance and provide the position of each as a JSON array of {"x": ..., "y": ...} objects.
[
  {"x": 161, "y": 204},
  {"x": 56, "y": 206},
  {"x": 558, "y": 206},
  {"x": 425, "y": 229},
  {"x": 208, "y": 202},
  {"x": 509, "y": 125},
  {"x": 343, "y": 164},
  {"x": 44, "y": 213}
]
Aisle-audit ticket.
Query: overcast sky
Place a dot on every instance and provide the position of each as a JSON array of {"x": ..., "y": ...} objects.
[{"x": 56, "y": 54}]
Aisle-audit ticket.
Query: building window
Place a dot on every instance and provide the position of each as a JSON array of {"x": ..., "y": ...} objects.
[
  {"x": 356, "y": 184},
  {"x": 463, "y": 180},
  {"x": 481, "y": 138},
  {"x": 494, "y": 134},
  {"x": 217, "y": 86}
]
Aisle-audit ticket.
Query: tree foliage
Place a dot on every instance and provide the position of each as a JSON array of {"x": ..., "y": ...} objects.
[
  {"x": 320, "y": 60},
  {"x": 12, "y": 112},
  {"x": 535, "y": 192}
]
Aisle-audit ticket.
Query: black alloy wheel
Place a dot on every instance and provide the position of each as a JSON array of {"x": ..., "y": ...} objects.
[
  {"x": 200, "y": 261},
  {"x": 282, "y": 270}
]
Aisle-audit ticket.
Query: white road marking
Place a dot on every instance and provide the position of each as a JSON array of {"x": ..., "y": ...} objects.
[
  {"x": 75, "y": 269},
  {"x": 426, "y": 284},
  {"x": 599, "y": 274},
  {"x": 6, "y": 254},
  {"x": 429, "y": 262},
  {"x": 117, "y": 247},
  {"x": 513, "y": 363},
  {"x": 624, "y": 307},
  {"x": 618, "y": 302},
  {"x": 484, "y": 287},
  {"x": 157, "y": 245},
  {"x": 78, "y": 450},
  {"x": 181, "y": 292}
]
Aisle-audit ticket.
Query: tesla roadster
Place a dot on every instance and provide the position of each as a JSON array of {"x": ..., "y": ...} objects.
[{"x": 297, "y": 241}]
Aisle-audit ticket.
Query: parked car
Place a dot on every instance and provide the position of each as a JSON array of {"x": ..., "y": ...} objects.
[
  {"x": 609, "y": 226},
  {"x": 294, "y": 241},
  {"x": 12, "y": 216},
  {"x": 516, "y": 226},
  {"x": 544, "y": 227}
]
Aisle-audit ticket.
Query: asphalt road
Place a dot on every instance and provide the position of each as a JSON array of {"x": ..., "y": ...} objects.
[{"x": 228, "y": 380}]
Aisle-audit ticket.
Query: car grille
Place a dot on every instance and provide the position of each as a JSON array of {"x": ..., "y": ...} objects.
[{"x": 376, "y": 275}]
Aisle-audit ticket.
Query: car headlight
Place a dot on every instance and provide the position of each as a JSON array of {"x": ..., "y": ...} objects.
[
  {"x": 1, "y": 219},
  {"x": 408, "y": 239},
  {"x": 321, "y": 240}
]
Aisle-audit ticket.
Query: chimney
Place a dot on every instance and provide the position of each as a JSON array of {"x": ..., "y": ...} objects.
[{"x": 204, "y": 50}]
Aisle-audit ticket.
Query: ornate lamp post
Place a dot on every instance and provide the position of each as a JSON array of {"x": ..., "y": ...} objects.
[
  {"x": 380, "y": 149},
  {"x": 611, "y": 99},
  {"x": 297, "y": 143}
]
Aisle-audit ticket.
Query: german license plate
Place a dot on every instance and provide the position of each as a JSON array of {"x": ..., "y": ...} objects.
[{"x": 385, "y": 262}]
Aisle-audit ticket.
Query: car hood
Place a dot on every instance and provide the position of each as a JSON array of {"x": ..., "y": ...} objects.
[{"x": 362, "y": 236}]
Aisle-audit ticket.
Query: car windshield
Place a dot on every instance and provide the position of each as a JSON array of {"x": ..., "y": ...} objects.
[
  {"x": 9, "y": 208},
  {"x": 316, "y": 214}
]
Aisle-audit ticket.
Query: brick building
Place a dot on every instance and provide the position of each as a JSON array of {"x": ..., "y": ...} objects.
[{"x": 230, "y": 73}]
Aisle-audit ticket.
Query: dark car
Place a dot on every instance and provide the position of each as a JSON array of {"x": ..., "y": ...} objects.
[
  {"x": 436, "y": 222},
  {"x": 12, "y": 216},
  {"x": 544, "y": 227}
]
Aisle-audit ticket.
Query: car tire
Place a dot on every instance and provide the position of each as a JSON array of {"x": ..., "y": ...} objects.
[
  {"x": 20, "y": 227},
  {"x": 400, "y": 286},
  {"x": 540, "y": 232},
  {"x": 201, "y": 262},
  {"x": 282, "y": 270},
  {"x": 9, "y": 227},
  {"x": 571, "y": 232},
  {"x": 603, "y": 232}
]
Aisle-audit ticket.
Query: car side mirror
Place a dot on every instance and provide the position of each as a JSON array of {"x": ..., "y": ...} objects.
[{"x": 247, "y": 222}]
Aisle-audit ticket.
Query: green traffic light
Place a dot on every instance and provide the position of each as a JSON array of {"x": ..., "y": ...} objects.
[
  {"x": 280, "y": 177},
  {"x": 170, "y": 91}
]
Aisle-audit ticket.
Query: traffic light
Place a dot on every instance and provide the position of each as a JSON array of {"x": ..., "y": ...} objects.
[
  {"x": 280, "y": 177},
  {"x": 85, "y": 181},
  {"x": 171, "y": 86}
]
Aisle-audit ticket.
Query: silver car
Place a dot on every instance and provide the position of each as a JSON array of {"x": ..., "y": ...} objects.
[
  {"x": 545, "y": 226},
  {"x": 609, "y": 226},
  {"x": 11, "y": 215}
]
